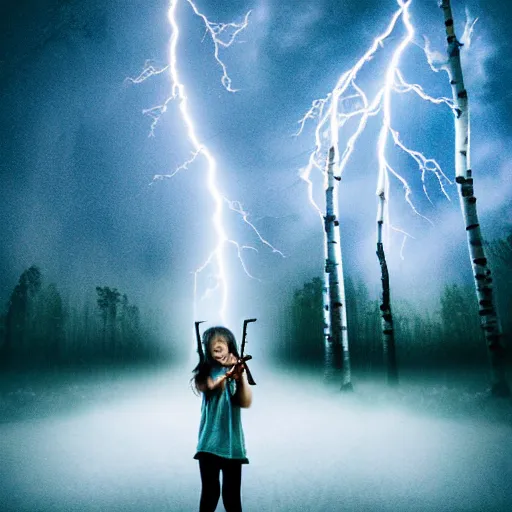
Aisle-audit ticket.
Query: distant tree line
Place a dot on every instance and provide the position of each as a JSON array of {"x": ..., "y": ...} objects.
[
  {"x": 449, "y": 336},
  {"x": 40, "y": 329}
]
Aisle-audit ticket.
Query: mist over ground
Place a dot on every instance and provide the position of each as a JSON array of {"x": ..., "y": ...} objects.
[{"x": 125, "y": 442}]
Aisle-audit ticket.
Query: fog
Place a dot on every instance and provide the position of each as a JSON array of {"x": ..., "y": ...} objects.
[
  {"x": 125, "y": 442},
  {"x": 98, "y": 261}
]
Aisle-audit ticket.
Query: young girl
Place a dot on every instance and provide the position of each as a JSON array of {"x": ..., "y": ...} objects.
[{"x": 221, "y": 444}]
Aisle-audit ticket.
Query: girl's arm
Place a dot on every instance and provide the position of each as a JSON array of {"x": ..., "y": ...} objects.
[
  {"x": 209, "y": 384},
  {"x": 243, "y": 389}
]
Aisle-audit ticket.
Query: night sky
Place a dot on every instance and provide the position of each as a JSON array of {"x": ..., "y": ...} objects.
[
  {"x": 79, "y": 200},
  {"x": 77, "y": 164}
]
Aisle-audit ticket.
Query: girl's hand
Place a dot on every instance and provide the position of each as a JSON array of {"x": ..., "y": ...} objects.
[
  {"x": 239, "y": 370},
  {"x": 229, "y": 374},
  {"x": 236, "y": 371}
]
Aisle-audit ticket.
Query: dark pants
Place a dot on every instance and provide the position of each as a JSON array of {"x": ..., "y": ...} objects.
[{"x": 210, "y": 466}]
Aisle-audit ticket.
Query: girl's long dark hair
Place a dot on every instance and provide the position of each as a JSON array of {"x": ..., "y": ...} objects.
[{"x": 203, "y": 369}]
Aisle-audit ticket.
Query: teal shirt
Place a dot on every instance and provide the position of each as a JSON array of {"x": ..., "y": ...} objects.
[{"x": 220, "y": 428}]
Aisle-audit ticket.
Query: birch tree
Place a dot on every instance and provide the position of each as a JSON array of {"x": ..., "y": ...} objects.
[
  {"x": 388, "y": 331},
  {"x": 464, "y": 178},
  {"x": 337, "y": 355}
]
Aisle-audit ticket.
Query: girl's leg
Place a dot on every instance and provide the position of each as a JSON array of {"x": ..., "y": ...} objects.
[
  {"x": 210, "y": 492},
  {"x": 231, "y": 486}
]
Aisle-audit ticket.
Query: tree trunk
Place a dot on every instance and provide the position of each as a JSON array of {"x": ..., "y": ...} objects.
[
  {"x": 388, "y": 332},
  {"x": 481, "y": 271},
  {"x": 329, "y": 361},
  {"x": 337, "y": 355}
]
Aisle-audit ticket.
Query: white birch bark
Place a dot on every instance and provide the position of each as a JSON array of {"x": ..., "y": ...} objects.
[
  {"x": 329, "y": 365},
  {"x": 337, "y": 349},
  {"x": 388, "y": 332},
  {"x": 464, "y": 178}
]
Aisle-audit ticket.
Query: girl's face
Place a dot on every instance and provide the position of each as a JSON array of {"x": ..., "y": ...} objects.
[{"x": 219, "y": 349}]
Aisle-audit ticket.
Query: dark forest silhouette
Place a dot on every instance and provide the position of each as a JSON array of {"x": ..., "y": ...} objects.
[
  {"x": 41, "y": 330},
  {"x": 449, "y": 336}
]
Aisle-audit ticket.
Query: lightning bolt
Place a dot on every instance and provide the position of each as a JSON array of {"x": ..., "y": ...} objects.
[
  {"x": 223, "y": 35},
  {"x": 333, "y": 112}
]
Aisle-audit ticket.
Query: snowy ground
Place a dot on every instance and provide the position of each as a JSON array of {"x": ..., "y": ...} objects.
[{"x": 126, "y": 444}]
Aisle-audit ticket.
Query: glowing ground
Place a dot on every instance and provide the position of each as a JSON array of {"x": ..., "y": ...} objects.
[{"x": 128, "y": 447}]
